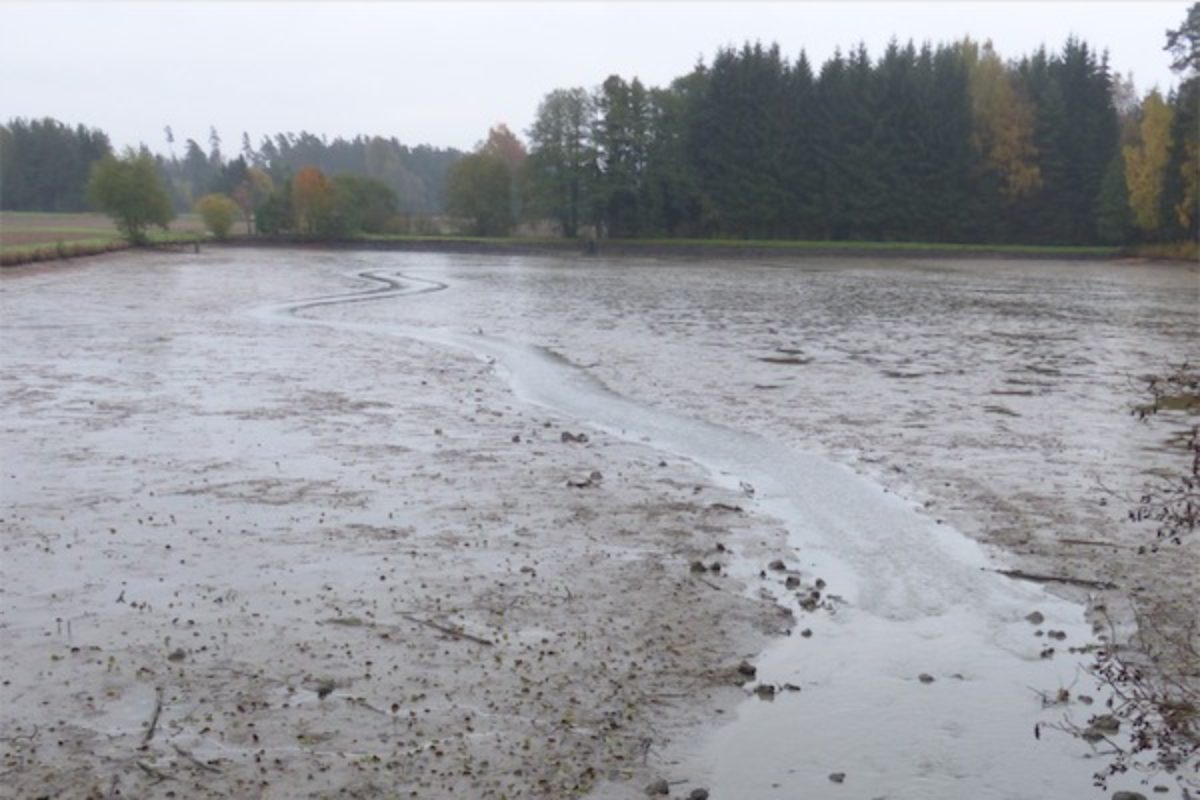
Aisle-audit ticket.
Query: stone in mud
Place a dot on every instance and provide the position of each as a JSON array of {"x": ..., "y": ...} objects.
[
  {"x": 806, "y": 633},
  {"x": 1128, "y": 796},
  {"x": 792, "y": 582},
  {"x": 765, "y": 691},
  {"x": 747, "y": 669},
  {"x": 177, "y": 655},
  {"x": 777, "y": 565},
  {"x": 925, "y": 677},
  {"x": 837, "y": 777},
  {"x": 698, "y": 794},
  {"x": 1035, "y": 618},
  {"x": 658, "y": 787},
  {"x": 578, "y": 438},
  {"x": 698, "y": 567}
]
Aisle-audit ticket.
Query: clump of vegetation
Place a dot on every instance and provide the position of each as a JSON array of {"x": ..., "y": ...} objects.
[
  {"x": 218, "y": 213},
  {"x": 129, "y": 190},
  {"x": 1173, "y": 502}
]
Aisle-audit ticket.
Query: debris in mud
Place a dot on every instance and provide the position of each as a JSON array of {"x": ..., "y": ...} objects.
[
  {"x": 658, "y": 787},
  {"x": 593, "y": 479},
  {"x": 576, "y": 438},
  {"x": 765, "y": 691},
  {"x": 726, "y": 507},
  {"x": 747, "y": 669}
]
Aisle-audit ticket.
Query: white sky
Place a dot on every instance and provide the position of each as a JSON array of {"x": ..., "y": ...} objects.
[{"x": 443, "y": 73}]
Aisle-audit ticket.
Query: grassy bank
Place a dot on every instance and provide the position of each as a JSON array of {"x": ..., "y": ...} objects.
[{"x": 30, "y": 237}]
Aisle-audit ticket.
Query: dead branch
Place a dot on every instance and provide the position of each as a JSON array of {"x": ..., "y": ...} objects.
[
  {"x": 1037, "y": 578},
  {"x": 455, "y": 632},
  {"x": 194, "y": 760},
  {"x": 158, "y": 695}
]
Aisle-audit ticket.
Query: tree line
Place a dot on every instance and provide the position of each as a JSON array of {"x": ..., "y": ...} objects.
[{"x": 949, "y": 143}]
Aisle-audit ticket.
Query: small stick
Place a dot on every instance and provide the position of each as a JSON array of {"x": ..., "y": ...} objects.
[
  {"x": 152, "y": 772},
  {"x": 447, "y": 630},
  {"x": 1030, "y": 576},
  {"x": 158, "y": 692},
  {"x": 1095, "y": 543},
  {"x": 194, "y": 760}
]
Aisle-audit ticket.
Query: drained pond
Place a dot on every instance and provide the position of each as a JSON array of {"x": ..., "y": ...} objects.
[{"x": 299, "y": 523}]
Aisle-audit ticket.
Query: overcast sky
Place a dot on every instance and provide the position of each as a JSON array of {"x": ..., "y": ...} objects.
[{"x": 443, "y": 73}]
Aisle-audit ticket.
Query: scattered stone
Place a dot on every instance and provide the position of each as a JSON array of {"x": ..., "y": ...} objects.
[
  {"x": 837, "y": 777},
  {"x": 177, "y": 655},
  {"x": 1085, "y": 699},
  {"x": 806, "y": 633},
  {"x": 325, "y": 688},
  {"x": 1059, "y": 635},
  {"x": 1035, "y": 618},
  {"x": 580, "y": 483},
  {"x": 516, "y": 438},
  {"x": 747, "y": 669},
  {"x": 791, "y": 687},
  {"x": 1106, "y": 723},
  {"x": 925, "y": 677},
  {"x": 1047, "y": 652},
  {"x": 765, "y": 691},
  {"x": 577, "y": 438},
  {"x": 792, "y": 582},
  {"x": 658, "y": 787},
  {"x": 698, "y": 794},
  {"x": 722, "y": 548},
  {"x": 698, "y": 567},
  {"x": 820, "y": 583},
  {"x": 1128, "y": 796},
  {"x": 777, "y": 565},
  {"x": 596, "y": 475},
  {"x": 714, "y": 566}
]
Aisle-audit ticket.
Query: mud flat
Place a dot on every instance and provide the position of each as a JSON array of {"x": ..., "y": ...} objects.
[{"x": 468, "y": 527}]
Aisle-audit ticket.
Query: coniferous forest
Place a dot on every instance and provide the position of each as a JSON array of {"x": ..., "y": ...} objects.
[{"x": 946, "y": 143}]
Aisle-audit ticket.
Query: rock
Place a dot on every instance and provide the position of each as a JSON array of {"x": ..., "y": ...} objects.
[
  {"x": 578, "y": 438},
  {"x": 714, "y": 566},
  {"x": 1035, "y": 618},
  {"x": 747, "y": 669},
  {"x": 792, "y": 582},
  {"x": 658, "y": 787},
  {"x": 837, "y": 777},
  {"x": 806, "y": 633},
  {"x": 698, "y": 567},
  {"x": 596, "y": 476},
  {"x": 777, "y": 565},
  {"x": 516, "y": 438},
  {"x": 925, "y": 677},
  {"x": 1128, "y": 796},
  {"x": 698, "y": 794},
  {"x": 765, "y": 691},
  {"x": 177, "y": 655},
  {"x": 820, "y": 583},
  {"x": 1059, "y": 635}
]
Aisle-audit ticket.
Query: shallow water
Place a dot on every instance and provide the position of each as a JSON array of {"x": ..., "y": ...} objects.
[
  {"x": 913, "y": 597},
  {"x": 989, "y": 397}
]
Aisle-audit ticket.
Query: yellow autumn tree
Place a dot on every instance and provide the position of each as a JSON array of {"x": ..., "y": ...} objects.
[
  {"x": 312, "y": 200},
  {"x": 1003, "y": 121},
  {"x": 1146, "y": 162}
]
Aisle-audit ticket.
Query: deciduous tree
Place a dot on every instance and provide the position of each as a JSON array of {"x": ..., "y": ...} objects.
[
  {"x": 1146, "y": 163},
  {"x": 129, "y": 190},
  {"x": 218, "y": 213},
  {"x": 312, "y": 200}
]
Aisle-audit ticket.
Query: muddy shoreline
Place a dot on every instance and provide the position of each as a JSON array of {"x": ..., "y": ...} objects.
[{"x": 432, "y": 581}]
